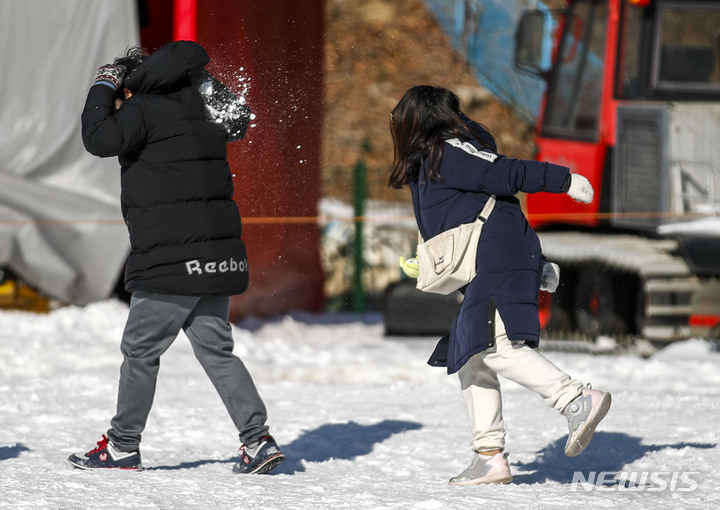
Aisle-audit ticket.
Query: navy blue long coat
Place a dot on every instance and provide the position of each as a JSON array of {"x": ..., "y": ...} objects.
[{"x": 509, "y": 257}]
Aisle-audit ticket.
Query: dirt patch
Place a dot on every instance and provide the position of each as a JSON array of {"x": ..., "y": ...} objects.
[{"x": 375, "y": 51}]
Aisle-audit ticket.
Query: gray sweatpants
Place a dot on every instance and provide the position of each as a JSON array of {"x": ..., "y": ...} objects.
[{"x": 153, "y": 323}]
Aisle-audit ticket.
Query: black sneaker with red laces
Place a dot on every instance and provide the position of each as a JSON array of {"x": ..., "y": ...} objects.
[
  {"x": 259, "y": 458},
  {"x": 104, "y": 456}
]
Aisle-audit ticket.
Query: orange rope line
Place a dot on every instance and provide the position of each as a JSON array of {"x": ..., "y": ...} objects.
[
  {"x": 608, "y": 216},
  {"x": 273, "y": 220}
]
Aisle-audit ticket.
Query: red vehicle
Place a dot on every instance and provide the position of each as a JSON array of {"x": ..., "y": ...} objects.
[{"x": 632, "y": 103}]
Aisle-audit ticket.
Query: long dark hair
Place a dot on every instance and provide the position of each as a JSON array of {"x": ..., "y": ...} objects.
[{"x": 424, "y": 118}]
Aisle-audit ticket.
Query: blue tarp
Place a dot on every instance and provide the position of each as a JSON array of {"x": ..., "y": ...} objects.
[{"x": 484, "y": 31}]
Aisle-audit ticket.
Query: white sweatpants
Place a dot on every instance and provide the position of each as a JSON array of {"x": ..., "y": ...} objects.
[{"x": 516, "y": 362}]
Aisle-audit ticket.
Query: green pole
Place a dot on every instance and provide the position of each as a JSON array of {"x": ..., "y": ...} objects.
[{"x": 360, "y": 192}]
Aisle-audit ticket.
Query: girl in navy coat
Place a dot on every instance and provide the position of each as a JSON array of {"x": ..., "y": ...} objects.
[{"x": 452, "y": 166}]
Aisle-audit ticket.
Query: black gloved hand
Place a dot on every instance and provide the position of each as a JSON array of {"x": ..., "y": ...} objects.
[
  {"x": 222, "y": 105},
  {"x": 111, "y": 75}
]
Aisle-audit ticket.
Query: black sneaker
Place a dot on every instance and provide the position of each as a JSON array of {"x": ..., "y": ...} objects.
[
  {"x": 106, "y": 456},
  {"x": 260, "y": 458}
]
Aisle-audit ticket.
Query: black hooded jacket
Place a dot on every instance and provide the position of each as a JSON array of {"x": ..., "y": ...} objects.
[{"x": 185, "y": 229}]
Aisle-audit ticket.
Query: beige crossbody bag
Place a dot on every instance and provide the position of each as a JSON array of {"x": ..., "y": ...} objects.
[{"x": 447, "y": 261}]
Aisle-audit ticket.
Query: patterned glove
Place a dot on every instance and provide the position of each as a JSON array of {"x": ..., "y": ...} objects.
[
  {"x": 550, "y": 277},
  {"x": 580, "y": 189},
  {"x": 110, "y": 75},
  {"x": 410, "y": 267}
]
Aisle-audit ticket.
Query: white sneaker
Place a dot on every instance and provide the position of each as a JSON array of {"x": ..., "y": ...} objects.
[
  {"x": 485, "y": 470},
  {"x": 583, "y": 415}
]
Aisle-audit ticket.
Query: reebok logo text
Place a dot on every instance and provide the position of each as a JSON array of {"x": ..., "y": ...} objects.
[{"x": 195, "y": 267}]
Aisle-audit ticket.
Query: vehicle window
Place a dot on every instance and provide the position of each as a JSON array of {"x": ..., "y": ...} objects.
[
  {"x": 574, "y": 97},
  {"x": 687, "y": 56},
  {"x": 629, "y": 79}
]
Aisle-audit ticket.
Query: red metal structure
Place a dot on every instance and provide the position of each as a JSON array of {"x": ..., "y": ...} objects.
[
  {"x": 275, "y": 50},
  {"x": 632, "y": 102}
]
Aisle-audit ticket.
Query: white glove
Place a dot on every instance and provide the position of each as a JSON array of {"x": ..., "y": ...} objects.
[
  {"x": 550, "y": 277},
  {"x": 580, "y": 189}
]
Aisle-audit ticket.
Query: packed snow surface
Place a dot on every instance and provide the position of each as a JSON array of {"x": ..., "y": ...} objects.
[{"x": 365, "y": 423}]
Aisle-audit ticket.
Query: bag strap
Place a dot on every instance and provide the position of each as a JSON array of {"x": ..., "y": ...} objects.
[
  {"x": 483, "y": 216},
  {"x": 485, "y": 213}
]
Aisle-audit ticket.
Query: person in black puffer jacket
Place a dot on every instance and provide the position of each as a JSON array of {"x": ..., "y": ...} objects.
[{"x": 187, "y": 256}]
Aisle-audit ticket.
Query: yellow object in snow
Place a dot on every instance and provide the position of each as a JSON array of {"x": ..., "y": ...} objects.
[
  {"x": 14, "y": 295},
  {"x": 410, "y": 267}
]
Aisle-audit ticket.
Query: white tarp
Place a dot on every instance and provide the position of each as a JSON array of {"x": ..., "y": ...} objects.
[{"x": 61, "y": 228}]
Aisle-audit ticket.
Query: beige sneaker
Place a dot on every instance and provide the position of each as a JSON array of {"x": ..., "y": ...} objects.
[
  {"x": 583, "y": 415},
  {"x": 484, "y": 470}
]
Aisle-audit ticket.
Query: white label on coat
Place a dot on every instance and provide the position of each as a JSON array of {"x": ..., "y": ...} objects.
[{"x": 471, "y": 149}]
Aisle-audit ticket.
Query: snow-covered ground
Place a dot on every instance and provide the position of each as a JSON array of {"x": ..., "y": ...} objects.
[{"x": 364, "y": 422}]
